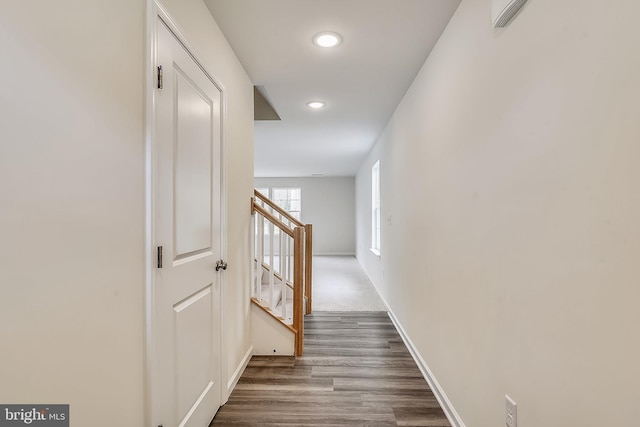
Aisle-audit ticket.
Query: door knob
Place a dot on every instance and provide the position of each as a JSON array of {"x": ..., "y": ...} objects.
[{"x": 220, "y": 264}]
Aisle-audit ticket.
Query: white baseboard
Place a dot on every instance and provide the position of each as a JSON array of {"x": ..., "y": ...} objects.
[
  {"x": 443, "y": 400},
  {"x": 238, "y": 372},
  {"x": 450, "y": 412},
  {"x": 335, "y": 254}
]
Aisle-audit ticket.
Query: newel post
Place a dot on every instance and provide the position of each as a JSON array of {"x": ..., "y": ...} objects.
[
  {"x": 308, "y": 266},
  {"x": 298, "y": 287}
]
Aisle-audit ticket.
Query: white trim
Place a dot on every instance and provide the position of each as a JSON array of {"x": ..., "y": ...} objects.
[
  {"x": 376, "y": 225},
  {"x": 446, "y": 405},
  {"x": 238, "y": 373},
  {"x": 334, "y": 254},
  {"x": 150, "y": 60},
  {"x": 441, "y": 396},
  {"x": 224, "y": 393}
]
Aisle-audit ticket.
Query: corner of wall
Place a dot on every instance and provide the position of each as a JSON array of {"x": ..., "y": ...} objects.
[{"x": 235, "y": 377}]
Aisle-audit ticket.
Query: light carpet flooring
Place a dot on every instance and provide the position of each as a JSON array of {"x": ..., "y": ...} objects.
[{"x": 340, "y": 284}]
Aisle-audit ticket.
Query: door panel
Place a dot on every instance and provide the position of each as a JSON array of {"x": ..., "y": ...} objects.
[
  {"x": 193, "y": 178},
  {"x": 186, "y": 294},
  {"x": 193, "y": 326}
]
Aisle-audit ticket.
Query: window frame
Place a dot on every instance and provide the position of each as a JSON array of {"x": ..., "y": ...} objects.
[
  {"x": 375, "y": 209},
  {"x": 297, "y": 214}
]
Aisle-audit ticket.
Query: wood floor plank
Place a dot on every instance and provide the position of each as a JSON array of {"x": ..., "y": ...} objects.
[
  {"x": 277, "y": 372},
  {"x": 356, "y": 371},
  {"x": 364, "y": 372}
]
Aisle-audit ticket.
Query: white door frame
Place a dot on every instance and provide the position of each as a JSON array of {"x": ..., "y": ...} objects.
[{"x": 154, "y": 11}]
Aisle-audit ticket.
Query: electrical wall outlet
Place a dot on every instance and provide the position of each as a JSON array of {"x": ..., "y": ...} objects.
[{"x": 511, "y": 412}]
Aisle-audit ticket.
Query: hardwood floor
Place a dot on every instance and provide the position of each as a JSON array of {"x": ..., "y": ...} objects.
[{"x": 356, "y": 371}]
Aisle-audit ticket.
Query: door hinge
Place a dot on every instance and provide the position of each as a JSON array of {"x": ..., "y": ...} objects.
[
  {"x": 160, "y": 76},
  {"x": 159, "y": 256}
]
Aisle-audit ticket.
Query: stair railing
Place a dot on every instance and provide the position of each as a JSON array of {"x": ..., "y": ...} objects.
[{"x": 282, "y": 252}]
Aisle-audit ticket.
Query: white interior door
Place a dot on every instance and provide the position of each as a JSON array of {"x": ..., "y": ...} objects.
[{"x": 186, "y": 301}]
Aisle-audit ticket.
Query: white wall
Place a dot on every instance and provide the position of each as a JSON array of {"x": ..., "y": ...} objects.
[
  {"x": 72, "y": 207},
  {"x": 72, "y": 202},
  {"x": 510, "y": 179},
  {"x": 329, "y": 204}
]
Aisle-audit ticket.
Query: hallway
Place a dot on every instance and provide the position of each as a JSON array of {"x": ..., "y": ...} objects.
[{"x": 355, "y": 370}]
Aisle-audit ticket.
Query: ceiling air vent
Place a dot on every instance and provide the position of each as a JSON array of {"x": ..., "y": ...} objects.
[{"x": 503, "y": 10}]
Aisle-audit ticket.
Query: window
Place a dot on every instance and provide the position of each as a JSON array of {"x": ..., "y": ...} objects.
[
  {"x": 263, "y": 191},
  {"x": 289, "y": 199},
  {"x": 375, "y": 208}
]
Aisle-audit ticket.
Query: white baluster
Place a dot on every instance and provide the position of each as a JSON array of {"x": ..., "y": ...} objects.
[
  {"x": 272, "y": 303},
  {"x": 290, "y": 260},
  {"x": 283, "y": 256},
  {"x": 259, "y": 255}
]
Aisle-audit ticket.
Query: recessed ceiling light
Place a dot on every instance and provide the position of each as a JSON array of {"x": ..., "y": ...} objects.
[
  {"x": 327, "y": 39},
  {"x": 316, "y": 104}
]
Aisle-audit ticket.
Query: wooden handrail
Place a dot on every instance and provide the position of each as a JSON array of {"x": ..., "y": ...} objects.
[
  {"x": 265, "y": 213},
  {"x": 277, "y": 208}
]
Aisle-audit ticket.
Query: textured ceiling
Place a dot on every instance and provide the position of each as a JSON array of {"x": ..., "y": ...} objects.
[{"x": 385, "y": 42}]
